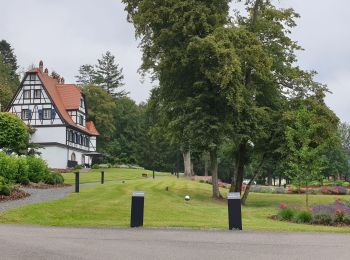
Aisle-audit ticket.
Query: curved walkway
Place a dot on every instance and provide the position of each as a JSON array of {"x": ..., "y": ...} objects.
[{"x": 37, "y": 196}]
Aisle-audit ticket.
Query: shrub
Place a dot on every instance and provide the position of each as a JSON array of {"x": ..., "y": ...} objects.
[
  {"x": 37, "y": 169},
  {"x": 22, "y": 171},
  {"x": 346, "y": 184},
  {"x": 339, "y": 183},
  {"x": 303, "y": 217},
  {"x": 78, "y": 167},
  {"x": 322, "y": 219},
  {"x": 95, "y": 166},
  {"x": 8, "y": 167},
  {"x": 346, "y": 219},
  {"x": 202, "y": 181},
  {"x": 339, "y": 216},
  {"x": 5, "y": 190},
  {"x": 54, "y": 178},
  {"x": 286, "y": 214}
]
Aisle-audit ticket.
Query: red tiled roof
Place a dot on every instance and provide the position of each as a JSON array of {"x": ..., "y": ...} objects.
[
  {"x": 65, "y": 97},
  {"x": 91, "y": 127},
  {"x": 70, "y": 95}
]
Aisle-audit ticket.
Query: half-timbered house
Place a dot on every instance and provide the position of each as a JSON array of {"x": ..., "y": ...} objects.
[{"x": 57, "y": 112}]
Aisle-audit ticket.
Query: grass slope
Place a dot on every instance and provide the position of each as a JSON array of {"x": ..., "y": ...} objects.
[
  {"x": 109, "y": 205},
  {"x": 111, "y": 174}
]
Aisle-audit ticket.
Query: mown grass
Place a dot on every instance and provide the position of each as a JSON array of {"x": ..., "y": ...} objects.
[
  {"x": 109, "y": 205},
  {"x": 111, "y": 174}
]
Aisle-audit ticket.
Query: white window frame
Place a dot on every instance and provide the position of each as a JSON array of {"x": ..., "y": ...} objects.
[
  {"x": 25, "y": 114},
  {"x": 36, "y": 91},
  {"x": 47, "y": 113},
  {"x": 25, "y": 92}
]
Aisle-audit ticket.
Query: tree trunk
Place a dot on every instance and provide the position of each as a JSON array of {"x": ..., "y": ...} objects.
[
  {"x": 280, "y": 180},
  {"x": 192, "y": 169},
  {"x": 187, "y": 163},
  {"x": 214, "y": 174},
  {"x": 206, "y": 166},
  {"x": 269, "y": 179},
  {"x": 257, "y": 174},
  {"x": 236, "y": 185},
  {"x": 307, "y": 196}
]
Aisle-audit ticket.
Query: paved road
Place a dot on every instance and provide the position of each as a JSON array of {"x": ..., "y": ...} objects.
[{"x": 27, "y": 242}]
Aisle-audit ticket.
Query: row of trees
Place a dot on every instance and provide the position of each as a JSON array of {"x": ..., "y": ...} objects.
[
  {"x": 127, "y": 129},
  {"x": 231, "y": 85}
]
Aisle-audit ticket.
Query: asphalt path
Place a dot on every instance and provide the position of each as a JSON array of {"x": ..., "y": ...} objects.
[{"x": 30, "y": 242}]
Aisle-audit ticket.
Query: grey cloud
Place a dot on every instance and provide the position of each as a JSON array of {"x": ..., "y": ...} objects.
[{"x": 69, "y": 33}]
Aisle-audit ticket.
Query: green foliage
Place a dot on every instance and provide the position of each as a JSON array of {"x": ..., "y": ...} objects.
[
  {"x": 13, "y": 133},
  {"x": 286, "y": 214},
  {"x": 303, "y": 217},
  {"x": 54, "y": 178},
  {"x": 37, "y": 169},
  {"x": 322, "y": 219},
  {"x": 106, "y": 74},
  {"x": 5, "y": 189},
  {"x": 8, "y": 167},
  {"x": 95, "y": 166}
]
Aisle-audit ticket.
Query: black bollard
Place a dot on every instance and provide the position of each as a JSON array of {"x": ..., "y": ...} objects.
[
  {"x": 234, "y": 210},
  {"x": 153, "y": 174},
  {"x": 177, "y": 174},
  {"x": 102, "y": 177},
  {"x": 77, "y": 182},
  {"x": 137, "y": 208}
]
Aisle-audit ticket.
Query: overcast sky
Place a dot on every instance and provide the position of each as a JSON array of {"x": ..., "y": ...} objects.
[{"x": 68, "y": 33}]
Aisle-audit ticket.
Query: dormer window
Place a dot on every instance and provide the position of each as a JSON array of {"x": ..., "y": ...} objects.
[
  {"x": 37, "y": 93},
  {"x": 47, "y": 113},
  {"x": 81, "y": 120},
  {"x": 26, "y": 94},
  {"x": 32, "y": 77}
]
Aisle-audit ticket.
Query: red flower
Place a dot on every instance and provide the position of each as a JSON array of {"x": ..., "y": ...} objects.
[{"x": 283, "y": 206}]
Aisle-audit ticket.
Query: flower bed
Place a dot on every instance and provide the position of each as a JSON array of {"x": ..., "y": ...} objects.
[
  {"x": 15, "y": 194},
  {"x": 291, "y": 189},
  {"x": 334, "y": 214}
]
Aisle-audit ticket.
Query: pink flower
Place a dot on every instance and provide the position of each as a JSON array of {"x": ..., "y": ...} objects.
[{"x": 283, "y": 206}]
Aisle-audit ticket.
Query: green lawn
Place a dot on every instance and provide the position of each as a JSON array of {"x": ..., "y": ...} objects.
[
  {"x": 109, "y": 205},
  {"x": 111, "y": 174}
]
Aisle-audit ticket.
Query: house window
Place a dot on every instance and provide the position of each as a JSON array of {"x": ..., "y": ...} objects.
[
  {"x": 73, "y": 157},
  {"x": 81, "y": 120},
  {"x": 25, "y": 115},
  {"x": 32, "y": 77},
  {"x": 37, "y": 93},
  {"x": 26, "y": 94},
  {"x": 82, "y": 102},
  {"x": 81, "y": 140},
  {"x": 47, "y": 113}
]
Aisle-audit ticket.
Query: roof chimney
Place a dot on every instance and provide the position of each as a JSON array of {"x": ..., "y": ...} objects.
[
  {"x": 41, "y": 66},
  {"x": 62, "y": 80},
  {"x": 46, "y": 71}
]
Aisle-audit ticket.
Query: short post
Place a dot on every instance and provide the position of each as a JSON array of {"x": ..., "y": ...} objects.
[
  {"x": 177, "y": 175},
  {"x": 234, "y": 210},
  {"x": 77, "y": 182},
  {"x": 153, "y": 173},
  {"x": 137, "y": 208},
  {"x": 102, "y": 177}
]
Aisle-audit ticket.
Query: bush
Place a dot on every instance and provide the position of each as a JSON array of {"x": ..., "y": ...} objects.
[
  {"x": 303, "y": 217},
  {"x": 37, "y": 169},
  {"x": 339, "y": 216},
  {"x": 95, "y": 166},
  {"x": 54, "y": 178},
  {"x": 346, "y": 184},
  {"x": 286, "y": 214},
  {"x": 322, "y": 219},
  {"x": 346, "y": 219},
  {"x": 5, "y": 190},
  {"x": 8, "y": 167},
  {"x": 78, "y": 167}
]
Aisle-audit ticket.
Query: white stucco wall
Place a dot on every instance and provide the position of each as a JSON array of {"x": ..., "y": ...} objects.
[
  {"x": 49, "y": 134},
  {"x": 56, "y": 157}
]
